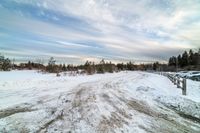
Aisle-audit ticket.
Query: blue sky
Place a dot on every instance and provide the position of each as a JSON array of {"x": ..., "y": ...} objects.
[{"x": 74, "y": 31}]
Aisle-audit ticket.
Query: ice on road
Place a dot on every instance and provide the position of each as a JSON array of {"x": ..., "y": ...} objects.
[{"x": 119, "y": 102}]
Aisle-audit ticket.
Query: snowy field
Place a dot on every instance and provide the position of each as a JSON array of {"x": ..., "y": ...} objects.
[{"x": 119, "y": 102}]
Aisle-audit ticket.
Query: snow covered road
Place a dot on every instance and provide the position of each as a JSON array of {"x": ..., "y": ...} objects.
[{"x": 120, "y": 102}]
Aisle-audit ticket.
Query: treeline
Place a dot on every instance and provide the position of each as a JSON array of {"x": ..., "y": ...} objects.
[
  {"x": 88, "y": 68},
  {"x": 186, "y": 61}
]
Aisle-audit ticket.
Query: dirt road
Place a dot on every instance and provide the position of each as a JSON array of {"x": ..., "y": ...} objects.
[{"x": 103, "y": 106}]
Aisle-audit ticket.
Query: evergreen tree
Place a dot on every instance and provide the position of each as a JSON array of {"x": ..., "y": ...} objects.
[
  {"x": 29, "y": 65},
  {"x": 51, "y": 65},
  {"x": 172, "y": 61},
  {"x": 109, "y": 67},
  {"x": 130, "y": 66},
  {"x": 191, "y": 57},
  {"x": 179, "y": 60},
  {"x": 64, "y": 68},
  {"x": 6, "y": 65},
  {"x": 199, "y": 52},
  {"x": 1, "y": 62},
  {"x": 155, "y": 66},
  {"x": 185, "y": 59},
  {"x": 101, "y": 67},
  {"x": 198, "y": 60},
  {"x": 120, "y": 66}
]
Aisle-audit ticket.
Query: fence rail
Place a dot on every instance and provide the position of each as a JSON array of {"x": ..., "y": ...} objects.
[{"x": 179, "y": 82}]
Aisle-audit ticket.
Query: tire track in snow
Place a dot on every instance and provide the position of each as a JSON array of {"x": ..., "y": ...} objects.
[{"x": 104, "y": 106}]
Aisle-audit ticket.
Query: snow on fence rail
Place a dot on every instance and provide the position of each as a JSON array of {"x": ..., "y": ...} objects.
[{"x": 180, "y": 82}]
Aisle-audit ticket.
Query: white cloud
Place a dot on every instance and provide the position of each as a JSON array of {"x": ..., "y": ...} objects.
[{"x": 127, "y": 29}]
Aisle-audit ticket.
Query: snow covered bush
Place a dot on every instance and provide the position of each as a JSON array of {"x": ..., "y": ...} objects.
[{"x": 5, "y": 64}]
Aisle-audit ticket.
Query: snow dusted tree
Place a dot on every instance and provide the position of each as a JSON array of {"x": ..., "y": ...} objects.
[
  {"x": 5, "y": 64},
  {"x": 1, "y": 62}
]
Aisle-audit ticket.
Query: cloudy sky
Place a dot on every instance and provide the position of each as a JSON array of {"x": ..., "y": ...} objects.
[{"x": 74, "y": 31}]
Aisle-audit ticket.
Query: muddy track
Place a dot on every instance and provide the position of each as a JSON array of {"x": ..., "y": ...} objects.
[
  {"x": 104, "y": 107},
  {"x": 85, "y": 107},
  {"x": 14, "y": 110},
  {"x": 184, "y": 109},
  {"x": 184, "y": 114},
  {"x": 85, "y": 98},
  {"x": 48, "y": 123}
]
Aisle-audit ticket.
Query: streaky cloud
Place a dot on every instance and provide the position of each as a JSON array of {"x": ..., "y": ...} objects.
[{"x": 76, "y": 31}]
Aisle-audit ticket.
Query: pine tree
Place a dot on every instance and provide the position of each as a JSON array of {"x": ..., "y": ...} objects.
[
  {"x": 51, "y": 65},
  {"x": 109, "y": 67},
  {"x": 179, "y": 58},
  {"x": 1, "y": 62},
  {"x": 6, "y": 65},
  {"x": 155, "y": 66},
  {"x": 191, "y": 57},
  {"x": 64, "y": 68},
  {"x": 199, "y": 52},
  {"x": 101, "y": 67},
  {"x": 120, "y": 66},
  {"x": 29, "y": 65},
  {"x": 198, "y": 59},
  {"x": 130, "y": 66},
  {"x": 172, "y": 61},
  {"x": 185, "y": 59}
]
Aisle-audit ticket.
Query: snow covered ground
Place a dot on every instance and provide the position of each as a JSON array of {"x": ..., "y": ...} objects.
[{"x": 119, "y": 102}]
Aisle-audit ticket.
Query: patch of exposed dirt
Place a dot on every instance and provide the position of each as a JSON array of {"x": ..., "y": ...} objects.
[{"x": 14, "y": 110}]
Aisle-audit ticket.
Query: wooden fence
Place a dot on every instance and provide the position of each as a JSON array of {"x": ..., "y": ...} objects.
[{"x": 179, "y": 82}]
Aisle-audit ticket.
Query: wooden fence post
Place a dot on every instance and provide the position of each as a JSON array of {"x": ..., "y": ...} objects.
[
  {"x": 175, "y": 79},
  {"x": 178, "y": 82},
  {"x": 184, "y": 87}
]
